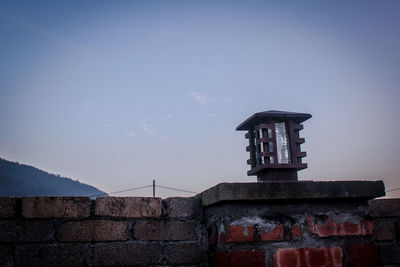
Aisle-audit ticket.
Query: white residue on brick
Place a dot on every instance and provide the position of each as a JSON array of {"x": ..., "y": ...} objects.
[
  {"x": 245, "y": 231},
  {"x": 251, "y": 221},
  {"x": 221, "y": 229},
  {"x": 344, "y": 217}
]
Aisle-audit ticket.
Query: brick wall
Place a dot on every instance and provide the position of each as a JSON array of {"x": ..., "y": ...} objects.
[
  {"x": 291, "y": 234},
  {"x": 306, "y": 233},
  {"x": 385, "y": 214},
  {"x": 75, "y": 231}
]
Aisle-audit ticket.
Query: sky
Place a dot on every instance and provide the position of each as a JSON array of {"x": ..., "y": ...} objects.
[{"x": 118, "y": 93}]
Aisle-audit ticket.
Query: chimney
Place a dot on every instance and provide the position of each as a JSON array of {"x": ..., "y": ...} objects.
[{"x": 274, "y": 144}]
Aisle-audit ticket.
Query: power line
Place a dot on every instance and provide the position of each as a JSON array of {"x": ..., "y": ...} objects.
[
  {"x": 176, "y": 189},
  {"x": 126, "y": 190},
  {"x": 146, "y": 186},
  {"x": 394, "y": 189}
]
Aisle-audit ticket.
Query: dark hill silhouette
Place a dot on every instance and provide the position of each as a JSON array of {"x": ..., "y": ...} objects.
[{"x": 22, "y": 180}]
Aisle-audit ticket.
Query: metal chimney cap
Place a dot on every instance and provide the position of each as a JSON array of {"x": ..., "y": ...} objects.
[{"x": 272, "y": 115}]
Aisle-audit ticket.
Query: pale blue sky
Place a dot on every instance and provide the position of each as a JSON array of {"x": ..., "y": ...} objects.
[{"x": 117, "y": 93}]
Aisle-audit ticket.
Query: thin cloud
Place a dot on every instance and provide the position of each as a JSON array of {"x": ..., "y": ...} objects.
[
  {"x": 201, "y": 99},
  {"x": 213, "y": 115},
  {"x": 147, "y": 129},
  {"x": 168, "y": 116},
  {"x": 131, "y": 134},
  {"x": 88, "y": 105}
]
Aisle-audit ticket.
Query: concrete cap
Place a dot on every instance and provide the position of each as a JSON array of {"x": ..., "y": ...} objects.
[
  {"x": 264, "y": 116},
  {"x": 280, "y": 191}
]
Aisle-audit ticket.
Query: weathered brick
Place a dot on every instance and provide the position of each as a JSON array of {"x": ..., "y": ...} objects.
[
  {"x": 129, "y": 253},
  {"x": 186, "y": 253},
  {"x": 236, "y": 258},
  {"x": 287, "y": 258},
  {"x": 310, "y": 257},
  {"x": 93, "y": 230},
  {"x": 240, "y": 233},
  {"x": 183, "y": 207},
  {"x": 6, "y": 256},
  {"x": 223, "y": 237},
  {"x": 52, "y": 255},
  {"x": 9, "y": 231},
  {"x": 164, "y": 230},
  {"x": 213, "y": 239},
  {"x": 331, "y": 228},
  {"x": 389, "y": 254},
  {"x": 385, "y": 207},
  {"x": 8, "y": 207},
  {"x": 274, "y": 234},
  {"x": 38, "y": 231},
  {"x": 55, "y": 207},
  {"x": 129, "y": 207},
  {"x": 384, "y": 230},
  {"x": 252, "y": 258},
  {"x": 26, "y": 231},
  {"x": 296, "y": 232},
  {"x": 220, "y": 259},
  {"x": 363, "y": 254}
]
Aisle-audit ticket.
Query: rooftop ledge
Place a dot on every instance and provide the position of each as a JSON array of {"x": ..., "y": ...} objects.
[{"x": 292, "y": 191}]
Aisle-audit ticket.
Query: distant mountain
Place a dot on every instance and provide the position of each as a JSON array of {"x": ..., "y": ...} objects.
[{"x": 20, "y": 180}]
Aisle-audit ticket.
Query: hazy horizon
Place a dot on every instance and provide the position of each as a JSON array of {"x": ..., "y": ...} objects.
[{"x": 118, "y": 93}]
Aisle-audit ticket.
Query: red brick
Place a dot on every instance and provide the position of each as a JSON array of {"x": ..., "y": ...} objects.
[
  {"x": 309, "y": 257},
  {"x": 239, "y": 233},
  {"x": 186, "y": 253},
  {"x": 165, "y": 230},
  {"x": 296, "y": 232},
  {"x": 213, "y": 239},
  {"x": 8, "y": 207},
  {"x": 254, "y": 258},
  {"x": 328, "y": 229},
  {"x": 128, "y": 253},
  {"x": 93, "y": 230},
  {"x": 129, "y": 207},
  {"x": 363, "y": 254},
  {"x": 276, "y": 234},
  {"x": 331, "y": 228},
  {"x": 223, "y": 237},
  {"x": 384, "y": 230},
  {"x": 220, "y": 259},
  {"x": 287, "y": 258},
  {"x": 322, "y": 257},
  {"x": 53, "y": 255},
  {"x": 55, "y": 207}
]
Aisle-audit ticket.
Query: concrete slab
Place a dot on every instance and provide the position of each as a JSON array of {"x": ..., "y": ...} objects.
[{"x": 292, "y": 191}]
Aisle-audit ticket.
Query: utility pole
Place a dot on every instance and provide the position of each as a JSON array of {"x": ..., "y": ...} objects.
[{"x": 154, "y": 188}]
